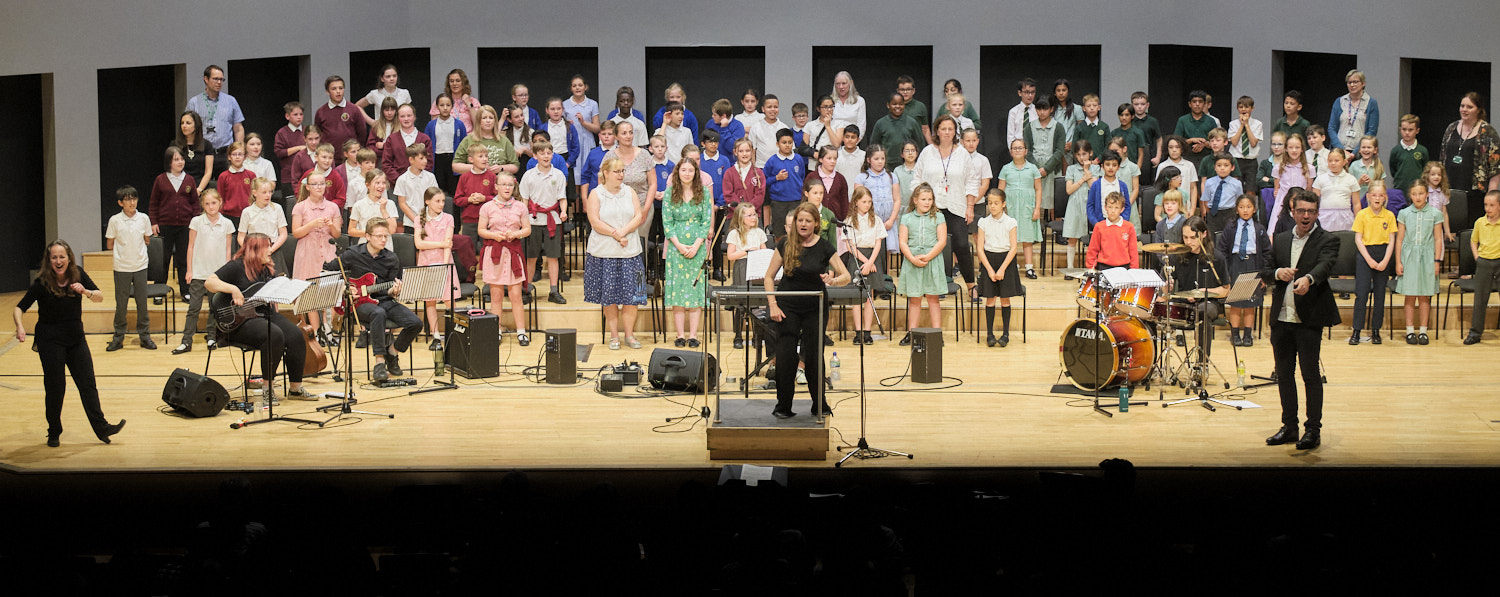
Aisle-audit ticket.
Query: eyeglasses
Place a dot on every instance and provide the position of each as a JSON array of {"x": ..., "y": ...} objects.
[
  {"x": 219, "y": 79},
  {"x": 379, "y": 236},
  {"x": 317, "y": 184},
  {"x": 1306, "y": 212}
]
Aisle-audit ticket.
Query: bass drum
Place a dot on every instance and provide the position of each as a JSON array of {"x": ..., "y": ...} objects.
[{"x": 1096, "y": 358}]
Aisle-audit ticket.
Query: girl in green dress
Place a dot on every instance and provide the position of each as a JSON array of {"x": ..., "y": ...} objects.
[
  {"x": 1022, "y": 183},
  {"x": 1419, "y": 230},
  {"x": 923, "y": 235},
  {"x": 687, "y": 221}
]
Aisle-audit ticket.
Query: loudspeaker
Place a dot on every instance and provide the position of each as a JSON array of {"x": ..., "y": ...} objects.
[
  {"x": 682, "y": 370},
  {"x": 562, "y": 356},
  {"x": 474, "y": 345},
  {"x": 927, "y": 355},
  {"x": 194, "y": 395}
]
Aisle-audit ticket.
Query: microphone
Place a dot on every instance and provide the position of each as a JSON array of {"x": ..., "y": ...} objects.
[{"x": 333, "y": 241}]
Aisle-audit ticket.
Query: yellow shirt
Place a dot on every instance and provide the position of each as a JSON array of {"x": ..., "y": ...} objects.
[
  {"x": 1377, "y": 229},
  {"x": 1487, "y": 236}
]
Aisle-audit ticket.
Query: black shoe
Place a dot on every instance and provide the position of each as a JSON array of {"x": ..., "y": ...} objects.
[
  {"x": 783, "y": 414},
  {"x": 1004, "y": 340},
  {"x": 523, "y": 339},
  {"x": 719, "y": 275},
  {"x": 1374, "y": 336},
  {"x": 379, "y": 373},
  {"x": 1343, "y": 296},
  {"x": 991, "y": 340},
  {"x": 1234, "y": 337},
  {"x": 363, "y": 341},
  {"x": 566, "y": 275},
  {"x": 1422, "y": 338},
  {"x": 52, "y": 441},
  {"x": 827, "y": 412},
  {"x": 556, "y": 297},
  {"x": 157, "y": 301},
  {"x": 827, "y": 340},
  {"x": 1181, "y": 340},
  {"x": 435, "y": 345},
  {"x": 115, "y": 344},
  {"x": 110, "y": 430},
  {"x": 147, "y": 344},
  {"x": 906, "y": 340},
  {"x": 393, "y": 364},
  {"x": 1246, "y": 340},
  {"x": 869, "y": 338},
  {"x": 680, "y": 343},
  {"x": 1411, "y": 339},
  {"x": 1286, "y": 435},
  {"x": 181, "y": 348},
  {"x": 1030, "y": 273},
  {"x": 1473, "y": 338},
  {"x": 694, "y": 343},
  {"x": 739, "y": 342},
  {"x": 1310, "y": 439},
  {"x": 1354, "y": 340}
]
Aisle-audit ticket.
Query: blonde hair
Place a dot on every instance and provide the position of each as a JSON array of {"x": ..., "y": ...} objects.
[
  {"x": 739, "y": 219},
  {"x": 1378, "y": 172},
  {"x": 675, "y": 86},
  {"x": 1218, "y": 133},
  {"x": 261, "y": 181},
  {"x": 302, "y": 191},
  {"x": 499, "y": 125},
  {"x": 210, "y": 194},
  {"x": 1301, "y": 159},
  {"x": 1374, "y": 183},
  {"x": 1172, "y": 196}
]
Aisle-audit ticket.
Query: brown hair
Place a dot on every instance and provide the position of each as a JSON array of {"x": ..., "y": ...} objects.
[
  {"x": 70, "y": 275},
  {"x": 792, "y": 249},
  {"x": 694, "y": 190}
]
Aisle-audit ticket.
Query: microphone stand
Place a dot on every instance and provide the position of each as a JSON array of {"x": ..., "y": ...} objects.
[
  {"x": 708, "y": 260},
  {"x": 1199, "y": 376},
  {"x": 862, "y": 449},
  {"x": 350, "y": 315}
]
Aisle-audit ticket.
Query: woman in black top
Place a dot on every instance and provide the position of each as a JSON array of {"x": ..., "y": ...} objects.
[
  {"x": 273, "y": 334},
  {"x": 1471, "y": 155},
  {"x": 197, "y": 152},
  {"x": 1201, "y": 268},
  {"x": 58, "y": 292},
  {"x": 808, "y": 257}
]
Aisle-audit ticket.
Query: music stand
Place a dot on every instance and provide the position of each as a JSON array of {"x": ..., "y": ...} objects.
[
  {"x": 284, "y": 290},
  {"x": 333, "y": 283},
  {"x": 429, "y": 283}
]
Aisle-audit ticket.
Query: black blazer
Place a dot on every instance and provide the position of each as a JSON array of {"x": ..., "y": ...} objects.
[
  {"x": 1317, "y": 307},
  {"x": 1226, "y": 239}
]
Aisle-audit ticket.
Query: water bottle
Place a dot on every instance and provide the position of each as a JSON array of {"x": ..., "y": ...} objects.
[
  {"x": 1124, "y": 398},
  {"x": 437, "y": 361},
  {"x": 1241, "y": 372},
  {"x": 833, "y": 365}
]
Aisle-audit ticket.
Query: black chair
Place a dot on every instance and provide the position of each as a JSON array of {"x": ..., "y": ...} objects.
[
  {"x": 159, "y": 285},
  {"x": 1462, "y": 286},
  {"x": 1342, "y": 280},
  {"x": 654, "y": 309},
  {"x": 960, "y": 293},
  {"x": 1458, "y": 218},
  {"x": 248, "y": 354},
  {"x": 1147, "y": 206}
]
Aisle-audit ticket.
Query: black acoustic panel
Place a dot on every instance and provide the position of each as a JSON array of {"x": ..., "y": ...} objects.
[
  {"x": 546, "y": 72},
  {"x": 262, "y": 86},
  {"x": 706, "y": 75},
  {"x": 1001, "y": 67},
  {"x": 413, "y": 65},
  {"x": 24, "y": 172},
  {"x": 1437, "y": 86},
  {"x": 135, "y": 129},
  {"x": 874, "y": 70},
  {"x": 1320, "y": 78},
  {"x": 1177, "y": 70}
]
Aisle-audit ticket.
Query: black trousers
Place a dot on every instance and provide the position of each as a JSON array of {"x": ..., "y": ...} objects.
[
  {"x": 1295, "y": 344},
  {"x": 64, "y": 352},
  {"x": 278, "y": 339},
  {"x": 1369, "y": 284},
  {"x": 958, "y": 240},
  {"x": 389, "y": 314},
  {"x": 799, "y": 329},
  {"x": 777, "y": 225},
  {"x": 442, "y": 170},
  {"x": 175, "y": 245}
]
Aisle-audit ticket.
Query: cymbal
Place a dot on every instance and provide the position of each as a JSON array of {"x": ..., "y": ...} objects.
[
  {"x": 1192, "y": 294},
  {"x": 1165, "y": 248}
]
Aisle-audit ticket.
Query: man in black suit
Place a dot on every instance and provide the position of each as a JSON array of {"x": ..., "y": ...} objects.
[{"x": 1301, "y": 261}]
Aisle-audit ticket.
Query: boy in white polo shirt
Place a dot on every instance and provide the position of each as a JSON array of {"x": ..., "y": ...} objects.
[
  {"x": 545, "y": 189},
  {"x": 128, "y": 235}
]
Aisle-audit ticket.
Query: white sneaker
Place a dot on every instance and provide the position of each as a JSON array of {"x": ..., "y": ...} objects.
[{"x": 801, "y": 377}]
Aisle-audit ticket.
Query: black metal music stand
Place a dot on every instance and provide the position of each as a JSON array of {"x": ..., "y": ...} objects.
[{"x": 310, "y": 294}]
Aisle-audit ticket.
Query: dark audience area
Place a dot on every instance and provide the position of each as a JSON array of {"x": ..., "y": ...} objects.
[{"x": 868, "y": 532}]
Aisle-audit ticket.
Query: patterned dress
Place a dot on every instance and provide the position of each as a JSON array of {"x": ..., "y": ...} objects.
[
  {"x": 437, "y": 228},
  {"x": 509, "y": 216},
  {"x": 687, "y": 222},
  {"x": 1418, "y": 251},
  {"x": 884, "y": 201},
  {"x": 1020, "y": 199},
  {"x": 921, "y": 237},
  {"x": 314, "y": 250}
]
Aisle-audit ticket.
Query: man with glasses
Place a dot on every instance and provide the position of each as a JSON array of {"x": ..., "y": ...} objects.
[
  {"x": 223, "y": 122},
  {"x": 374, "y": 258},
  {"x": 1302, "y": 305}
]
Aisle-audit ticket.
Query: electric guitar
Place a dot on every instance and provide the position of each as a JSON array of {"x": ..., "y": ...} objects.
[
  {"x": 364, "y": 286},
  {"x": 229, "y": 316}
]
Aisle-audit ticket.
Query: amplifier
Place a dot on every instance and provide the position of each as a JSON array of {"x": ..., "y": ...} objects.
[{"x": 473, "y": 345}]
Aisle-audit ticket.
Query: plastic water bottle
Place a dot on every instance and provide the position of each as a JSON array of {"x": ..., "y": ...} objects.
[
  {"x": 833, "y": 365},
  {"x": 1241, "y": 371},
  {"x": 437, "y": 361}
]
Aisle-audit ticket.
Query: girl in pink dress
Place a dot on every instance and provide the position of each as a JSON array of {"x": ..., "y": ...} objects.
[
  {"x": 504, "y": 223},
  {"x": 315, "y": 220},
  {"x": 434, "y": 243}
]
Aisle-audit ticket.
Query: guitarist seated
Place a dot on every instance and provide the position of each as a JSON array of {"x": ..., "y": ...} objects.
[
  {"x": 271, "y": 332},
  {"x": 381, "y": 309}
]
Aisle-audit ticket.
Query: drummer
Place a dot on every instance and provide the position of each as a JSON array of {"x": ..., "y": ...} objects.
[{"x": 1200, "y": 269}]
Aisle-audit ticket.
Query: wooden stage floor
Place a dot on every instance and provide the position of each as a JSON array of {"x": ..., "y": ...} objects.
[{"x": 1387, "y": 406}]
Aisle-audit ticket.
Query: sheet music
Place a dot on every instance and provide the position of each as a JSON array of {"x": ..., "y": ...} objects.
[
  {"x": 756, "y": 264},
  {"x": 1244, "y": 288},
  {"x": 1132, "y": 278},
  {"x": 322, "y": 292},
  {"x": 281, "y": 290}
]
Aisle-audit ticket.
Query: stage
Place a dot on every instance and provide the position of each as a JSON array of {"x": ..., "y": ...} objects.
[{"x": 1387, "y": 406}]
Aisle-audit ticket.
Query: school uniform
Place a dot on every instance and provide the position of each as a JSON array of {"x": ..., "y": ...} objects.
[
  {"x": 571, "y": 149},
  {"x": 591, "y": 165},
  {"x": 334, "y": 192},
  {"x": 174, "y": 202},
  {"x": 445, "y": 135},
  {"x": 1194, "y": 128},
  {"x": 1376, "y": 231},
  {"x": 1150, "y": 133},
  {"x": 1100, "y": 189},
  {"x": 210, "y": 252},
  {"x": 1112, "y": 245},
  {"x": 678, "y": 137},
  {"x": 468, "y": 184},
  {"x": 286, "y": 138},
  {"x": 234, "y": 189},
  {"x": 542, "y": 191},
  {"x": 1076, "y": 218},
  {"x": 997, "y": 248},
  {"x": 1097, "y": 134},
  {"x": 1246, "y": 247},
  {"x": 783, "y": 194},
  {"x": 763, "y": 137},
  {"x": 130, "y": 261},
  {"x": 1169, "y": 230},
  {"x": 1044, "y": 148},
  {"x": 835, "y": 191},
  {"x": 1220, "y": 195},
  {"x": 716, "y": 167},
  {"x": 589, "y": 110},
  {"x": 1016, "y": 120},
  {"x": 892, "y": 133},
  {"x": 637, "y": 124},
  {"x": 413, "y": 187},
  {"x": 1406, "y": 163},
  {"x": 689, "y": 122},
  {"x": 340, "y": 122},
  {"x": 393, "y": 160},
  {"x": 1135, "y": 141},
  {"x": 1298, "y": 127},
  {"x": 728, "y": 134},
  {"x": 1246, "y": 155},
  {"x": 849, "y": 163}
]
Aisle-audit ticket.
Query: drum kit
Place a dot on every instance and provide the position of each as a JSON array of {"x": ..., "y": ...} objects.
[{"x": 1126, "y": 337}]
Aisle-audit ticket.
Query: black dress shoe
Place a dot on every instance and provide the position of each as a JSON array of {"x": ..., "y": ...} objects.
[
  {"x": 827, "y": 340},
  {"x": 783, "y": 414},
  {"x": 1286, "y": 435},
  {"x": 393, "y": 364},
  {"x": 147, "y": 344},
  {"x": 556, "y": 297},
  {"x": 111, "y": 430},
  {"x": 52, "y": 441},
  {"x": 694, "y": 343},
  {"x": 115, "y": 344},
  {"x": 906, "y": 340},
  {"x": 1354, "y": 340},
  {"x": 1310, "y": 439},
  {"x": 680, "y": 343},
  {"x": 1411, "y": 339},
  {"x": 1374, "y": 336},
  {"x": 363, "y": 341},
  {"x": 523, "y": 339},
  {"x": 181, "y": 348},
  {"x": 1004, "y": 340},
  {"x": 1422, "y": 338},
  {"x": 1246, "y": 340},
  {"x": 1472, "y": 338},
  {"x": 739, "y": 342}
]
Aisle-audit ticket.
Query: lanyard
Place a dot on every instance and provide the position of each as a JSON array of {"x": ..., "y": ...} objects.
[
  {"x": 213, "y": 108},
  {"x": 1353, "y": 108}
]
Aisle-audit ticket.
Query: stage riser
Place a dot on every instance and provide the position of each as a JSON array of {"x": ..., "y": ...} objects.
[{"x": 763, "y": 444}]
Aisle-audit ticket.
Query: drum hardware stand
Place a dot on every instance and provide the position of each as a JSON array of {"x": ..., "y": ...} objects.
[
  {"x": 1162, "y": 371},
  {"x": 1102, "y": 320},
  {"x": 862, "y": 449},
  {"x": 1199, "y": 367}
]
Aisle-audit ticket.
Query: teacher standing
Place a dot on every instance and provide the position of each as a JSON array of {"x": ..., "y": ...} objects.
[
  {"x": 808, "y": 258},
  {"x": 1301, "y": 261},
  {"x": 58, "y": 293},
  {"x": 1354, "y": 115},
  {"x": 1471, "y": 153}
]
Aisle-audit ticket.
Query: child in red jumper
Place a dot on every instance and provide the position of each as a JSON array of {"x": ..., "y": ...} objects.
[{"x": 1113, "y": 242}]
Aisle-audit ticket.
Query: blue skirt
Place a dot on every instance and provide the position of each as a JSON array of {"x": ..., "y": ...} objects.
[{"x": 613, "y": 281}]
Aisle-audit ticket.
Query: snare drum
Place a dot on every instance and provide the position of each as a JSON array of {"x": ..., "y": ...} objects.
[
  {"x": 1134, "y": 302},
  {"x": 1177, "y": 314},
  {"x": 1091, "y": 295},
  {"x": 1097, "y": 357}
]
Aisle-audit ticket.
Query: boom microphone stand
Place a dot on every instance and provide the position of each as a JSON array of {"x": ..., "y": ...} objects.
[{"x": 862, "y": 449}]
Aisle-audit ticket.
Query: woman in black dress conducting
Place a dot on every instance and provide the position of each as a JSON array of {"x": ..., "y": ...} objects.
[
  {"x": 808, "y": 257},
  {"x": 58, "y": 292}
]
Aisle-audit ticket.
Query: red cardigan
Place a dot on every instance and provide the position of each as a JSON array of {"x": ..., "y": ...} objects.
[
  {"x": 835, "y": 198},
  {"x": 234, "y": 189},
  {"x": 393, "y": 158},
  {"x": 173, "y": 207},
  {"x": 751, "y": 188}
]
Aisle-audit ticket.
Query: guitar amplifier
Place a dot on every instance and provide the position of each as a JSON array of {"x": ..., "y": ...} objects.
[{"x": 473, "y": 345}]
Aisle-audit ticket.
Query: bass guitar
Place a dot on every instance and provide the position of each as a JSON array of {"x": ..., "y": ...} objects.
[
  {"x": 229, "y": 316},
  {"x": 364, "y": 286}
]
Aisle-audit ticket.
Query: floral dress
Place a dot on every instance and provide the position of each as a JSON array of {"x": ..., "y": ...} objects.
[{"x": 687, "y": 222}]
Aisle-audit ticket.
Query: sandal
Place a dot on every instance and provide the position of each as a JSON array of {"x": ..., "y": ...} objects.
[{"x": 614, "y": 343}]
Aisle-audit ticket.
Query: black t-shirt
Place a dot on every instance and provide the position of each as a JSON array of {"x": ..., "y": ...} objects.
[
  {"x": 1192, "y": 267},
  {"x": 808, "y": 275},
  {"x": 358, "y": 261},
  {"x": 195, "y": 164},
  {"x": 53, "y": 309},
  {"x": 233, "y": 273},
  {"x": 1461, "y": 175}
]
